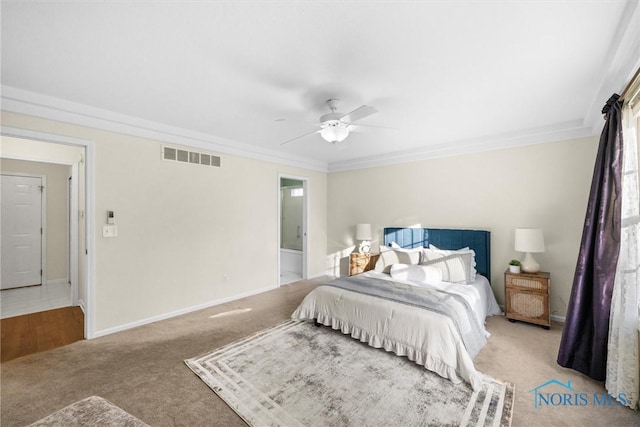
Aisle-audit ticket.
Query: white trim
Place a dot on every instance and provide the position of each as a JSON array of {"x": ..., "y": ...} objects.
[
  {"x": 558, "y": 132},
  {"x": 305, "y": 222},
  {"x": 34, "y": 104},
  {"x": 317, "y": 276},
  {"x": 60, "y": 281},
  {"x": 181, "y": 312},
  {"x": 38, "y": 105},
  {"x": 73, "y": 241},
  {"x": 88, "y": 305}
]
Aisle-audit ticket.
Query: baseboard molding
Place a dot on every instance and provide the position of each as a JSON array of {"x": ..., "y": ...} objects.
[
  {"x": 317, "y": 276},
  {"x": 554, "y": 317},
  {"x": 63, "y": 281},
  {"x": 187, "y": 310}
]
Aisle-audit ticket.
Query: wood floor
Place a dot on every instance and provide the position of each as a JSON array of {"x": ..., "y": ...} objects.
[{"x": 36, "y": 332}]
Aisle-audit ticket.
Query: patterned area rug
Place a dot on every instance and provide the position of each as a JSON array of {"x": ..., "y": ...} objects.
[
  {"x": 299, "y": 374},
  {"x": 92, "y": 411}
]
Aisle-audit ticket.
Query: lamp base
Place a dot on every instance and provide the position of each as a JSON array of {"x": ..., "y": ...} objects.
[
  {"x": 529, "y": 264},
  {"x": 365, "y": 247}
]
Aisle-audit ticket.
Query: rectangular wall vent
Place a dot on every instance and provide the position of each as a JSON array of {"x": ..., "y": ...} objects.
[{"x": 187, "y": 156}]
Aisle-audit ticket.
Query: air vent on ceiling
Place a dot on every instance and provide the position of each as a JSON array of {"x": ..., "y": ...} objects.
[{"x": 187, "y": 156}]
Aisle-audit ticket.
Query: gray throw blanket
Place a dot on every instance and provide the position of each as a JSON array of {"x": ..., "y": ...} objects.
[{"x": 452, "y": 306}]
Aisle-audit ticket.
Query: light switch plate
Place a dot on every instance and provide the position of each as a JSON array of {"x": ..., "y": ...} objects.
[{"x": 109, "y": 231}]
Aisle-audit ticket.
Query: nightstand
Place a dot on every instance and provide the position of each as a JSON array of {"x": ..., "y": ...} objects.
[
  {"x": 359, "y": 263},
  {"x": 527, "y": 297}
]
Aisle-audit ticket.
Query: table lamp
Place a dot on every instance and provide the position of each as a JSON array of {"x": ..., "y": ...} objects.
[
  {"x": 529, "y": 240},
  {"x": 363, "y": 233}
]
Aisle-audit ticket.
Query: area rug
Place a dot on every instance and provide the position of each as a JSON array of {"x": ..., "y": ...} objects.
[
  {"x": 92, "y": 411},
  {"x": 298, "y": 374}
]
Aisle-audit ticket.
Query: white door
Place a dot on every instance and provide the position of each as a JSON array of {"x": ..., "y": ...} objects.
[{"x": 21, "y": 231}]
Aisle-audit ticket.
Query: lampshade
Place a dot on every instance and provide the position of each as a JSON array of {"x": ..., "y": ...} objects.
[
  {"x": 529, "y": 240},
  {"x": 363, "y": 232},
  {"x": 334, "y": 133}
]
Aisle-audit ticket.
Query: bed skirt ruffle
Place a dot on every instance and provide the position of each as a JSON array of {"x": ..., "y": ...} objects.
[{"x": 419, "y": 357}]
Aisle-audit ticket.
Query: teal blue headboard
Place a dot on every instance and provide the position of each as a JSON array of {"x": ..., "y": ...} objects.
[{"x": 478, "y": 240}]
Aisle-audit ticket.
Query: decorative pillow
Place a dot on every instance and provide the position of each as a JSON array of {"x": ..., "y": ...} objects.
[
  {"x": 390, "y": 256},
  {"x": 420, "y": 273},
  {"x": 458, "y": 251},
  {"x": 455, "y": 268}
]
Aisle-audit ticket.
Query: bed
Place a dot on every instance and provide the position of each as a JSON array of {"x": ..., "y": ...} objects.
[{"x": 415, "y": 303}]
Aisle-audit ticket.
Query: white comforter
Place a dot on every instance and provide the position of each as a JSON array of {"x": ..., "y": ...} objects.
[{"x": 428, "y": 338}]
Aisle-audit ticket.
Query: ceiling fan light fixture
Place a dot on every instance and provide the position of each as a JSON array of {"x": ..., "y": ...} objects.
[{"x": 335, "y": 133}]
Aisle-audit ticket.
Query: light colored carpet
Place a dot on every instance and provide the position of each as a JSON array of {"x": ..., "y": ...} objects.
[
  {"x": 298, "y": 374},
  {"x": 92, "y": 411}
]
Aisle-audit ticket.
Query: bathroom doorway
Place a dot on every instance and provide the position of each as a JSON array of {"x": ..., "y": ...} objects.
[{"x": 292, "y": 204}]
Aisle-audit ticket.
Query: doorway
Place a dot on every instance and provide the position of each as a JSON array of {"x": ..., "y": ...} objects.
[
  {"x": 73, "y": 266},
  {"x": 36, "y": 244},
  {"x": 292, "y": 226}
]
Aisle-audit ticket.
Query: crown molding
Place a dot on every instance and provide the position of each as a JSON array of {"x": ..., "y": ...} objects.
[
  {"x": 34, "y": 104},
  {"x": 557, "y": 132},
  {"x": 43, "y": 106}
]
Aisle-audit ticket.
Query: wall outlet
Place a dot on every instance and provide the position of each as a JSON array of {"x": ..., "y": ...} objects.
[{"x": 109, "y": 231}]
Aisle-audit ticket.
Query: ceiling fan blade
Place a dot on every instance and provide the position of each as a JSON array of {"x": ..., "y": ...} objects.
[
  {"x": 359, "y": 113},
  {"x": 300, "y": 137}
]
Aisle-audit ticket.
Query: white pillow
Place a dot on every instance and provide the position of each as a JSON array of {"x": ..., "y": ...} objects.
[
  {"x": 390, "y": 256},
  {"x": 458, "y": 251},
  {"x": 420, "y": 273},
  {"x": 455, "y": 268}
]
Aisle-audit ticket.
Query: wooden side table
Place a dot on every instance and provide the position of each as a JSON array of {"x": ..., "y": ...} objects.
[
  {"x": 359, "y": 263},
  {"x": 527, "y": 297}
]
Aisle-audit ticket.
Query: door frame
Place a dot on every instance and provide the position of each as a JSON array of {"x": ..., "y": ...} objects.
[
  {"x": 43, "y": 221},
  {"x": 305, "y": 221},
  {"x": 89, "y": 180}
]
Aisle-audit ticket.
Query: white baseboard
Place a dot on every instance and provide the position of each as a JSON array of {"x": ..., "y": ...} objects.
[
  {"x": 169, "y": 315},
  {"x": 317, "y": 276},
  {"x": 554, "y": 317},
  {"x": 63, "y": 281}
]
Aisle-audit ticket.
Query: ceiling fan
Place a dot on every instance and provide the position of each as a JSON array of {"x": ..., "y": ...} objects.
[{"x": 335, "y": 126}]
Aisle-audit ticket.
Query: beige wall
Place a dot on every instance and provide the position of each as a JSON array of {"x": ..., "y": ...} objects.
[
  {"x": 187, "y": 237},
  {"x": 188, "y": 234},
  {"x": 57, "y": 249},
  {"x": 544, "y": 185}
]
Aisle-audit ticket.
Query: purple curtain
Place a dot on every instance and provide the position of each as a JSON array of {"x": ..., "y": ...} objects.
[{"x": 584, "y": 338}]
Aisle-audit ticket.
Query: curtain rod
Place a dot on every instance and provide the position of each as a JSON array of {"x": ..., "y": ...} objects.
[{"x": 634, "y": 80}]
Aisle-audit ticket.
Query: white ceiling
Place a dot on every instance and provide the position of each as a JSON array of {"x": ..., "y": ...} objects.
[{"x": 452, "y": 77}]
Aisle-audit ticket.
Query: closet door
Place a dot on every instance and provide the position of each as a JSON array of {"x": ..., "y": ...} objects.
[{"x": 21, "y": 230}]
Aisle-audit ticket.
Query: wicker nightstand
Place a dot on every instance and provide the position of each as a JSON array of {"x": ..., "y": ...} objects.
[
  {"x": 527, "y": 297},
  {"x": 359, "y": 263}
]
